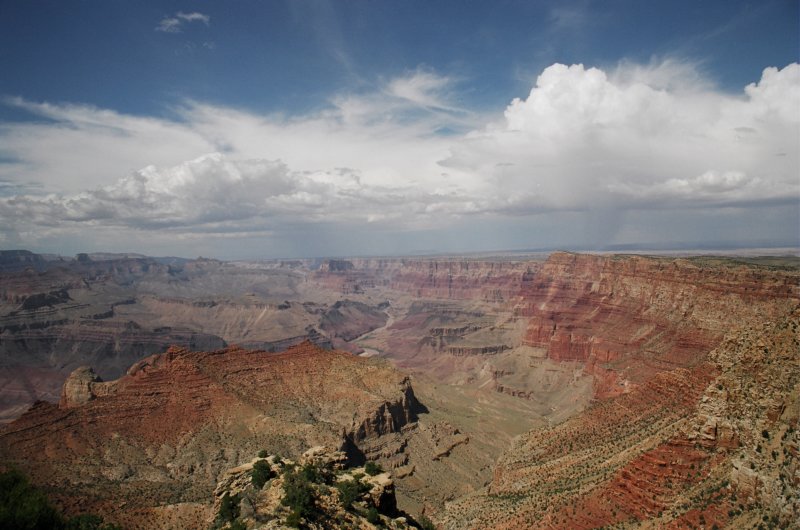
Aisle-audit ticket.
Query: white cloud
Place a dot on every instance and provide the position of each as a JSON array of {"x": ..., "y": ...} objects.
[
  {"x": 78, "y": 147},
  {"x": 169, "y": 25},
  {"x": 421, "y": 88},
  {"x": 194, "y": 17},
  {"x": 174, "y": 24},
  {"x": 640, "y": 138},
  {"x": 626, "y": 140}
]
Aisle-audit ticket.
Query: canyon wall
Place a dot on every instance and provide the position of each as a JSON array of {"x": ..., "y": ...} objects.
[
  {"x": 493, "y": 280},
  {"x": 111, "y": 313},
  {"x": 694, "y": 417},
  {"x": 71, "y": 314},
  {"x": 630, "y": 317}
]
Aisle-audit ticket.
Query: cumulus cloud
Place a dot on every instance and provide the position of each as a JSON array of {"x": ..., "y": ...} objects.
[
  {"x": 587, "y": 142},
  {"x": 641, "y": 139},
  {"x": 174, "y": 24}
]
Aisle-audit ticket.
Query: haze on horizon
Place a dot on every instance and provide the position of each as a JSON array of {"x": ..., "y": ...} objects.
[{"x": 313, "y": 128}]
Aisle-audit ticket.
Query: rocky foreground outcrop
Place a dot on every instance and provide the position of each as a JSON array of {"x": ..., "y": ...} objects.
[
  {"x": 317, "y": 491},
  {"x": 163, "y": 433}
]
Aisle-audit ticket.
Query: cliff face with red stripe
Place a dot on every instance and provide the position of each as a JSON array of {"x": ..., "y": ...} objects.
[{"x": 630, "y": 317}]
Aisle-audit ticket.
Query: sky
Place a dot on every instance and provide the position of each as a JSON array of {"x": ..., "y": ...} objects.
[{"x": 303, "y": 128}]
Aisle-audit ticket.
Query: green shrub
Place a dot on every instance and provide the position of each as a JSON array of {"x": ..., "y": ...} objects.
[
  {"x": 426, "y": 524},
  {"x": 84, "y": 522},
  {"x": 372, "y": 468},
  {"x": 228, "y": 508},
  {"x": 24, "y": 506},
  {"x": 89, "y": 522},
  {"x": 299, "y": 494},
  {"x": 350, "y": 491},
  {"x": 294, "y": 519},
  {"x": 310, "y": 473},
  {"x": 261, "y": 474},
  {"x": 372, "y": 516},
  {"x": 263, "y": 453}
]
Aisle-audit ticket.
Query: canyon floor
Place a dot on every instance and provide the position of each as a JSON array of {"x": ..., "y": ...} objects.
[{"x": 513, "y": 391}]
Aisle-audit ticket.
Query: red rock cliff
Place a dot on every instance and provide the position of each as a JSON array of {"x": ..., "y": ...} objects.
[{"x": 641, "y": 315}]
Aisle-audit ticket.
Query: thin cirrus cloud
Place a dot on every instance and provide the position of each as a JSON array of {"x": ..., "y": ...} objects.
[
  {"x": 637, "y": 138},
  {"x": 174, "y": 24}
]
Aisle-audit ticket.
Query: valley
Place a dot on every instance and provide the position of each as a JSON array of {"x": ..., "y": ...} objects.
[{"x": 512, "y": 391}]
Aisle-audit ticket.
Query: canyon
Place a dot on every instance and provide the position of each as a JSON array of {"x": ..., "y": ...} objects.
[{"x": 511, "y": 391}]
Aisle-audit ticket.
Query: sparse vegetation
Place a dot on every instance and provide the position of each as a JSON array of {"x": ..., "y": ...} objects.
[
  {"x": 261, "y": 474},
  {"x": 23, "y": 506},
  {"x": 350, "y": 491},
  {"x": 373, "y": 468},
  {"x": 373, "y": 517},
  {"x": 426, "y": 524},
  {"x": 89, "y": 522},
  {"x": 228, "y": 509},
  {"x": 299, "y": 497}
]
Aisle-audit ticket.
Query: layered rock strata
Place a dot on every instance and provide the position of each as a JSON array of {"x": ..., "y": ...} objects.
[
  {"x": 628, "y": 318},
  {"x": 703, "y": 431},
  {"x": 491, "y": 280}
]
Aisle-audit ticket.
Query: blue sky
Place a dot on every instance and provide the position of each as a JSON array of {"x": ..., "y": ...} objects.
[{"x": 301, "y": 128}]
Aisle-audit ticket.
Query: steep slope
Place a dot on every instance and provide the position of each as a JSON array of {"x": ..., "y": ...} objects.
[
  {"x": 629, "y": 317},
  {"x": 682, "y": 418},
  {"x": 165, "y": 431},
  {"x": 553, "y": 336}
]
